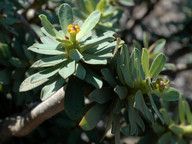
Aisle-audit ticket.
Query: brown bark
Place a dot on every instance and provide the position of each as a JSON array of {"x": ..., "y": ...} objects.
[{"x": 21, "y": 125}]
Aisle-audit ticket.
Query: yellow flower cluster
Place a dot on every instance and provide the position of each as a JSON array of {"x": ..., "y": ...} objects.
[
  {"x": 160, "y": 84},
  {"x": 73, "y": 29}
]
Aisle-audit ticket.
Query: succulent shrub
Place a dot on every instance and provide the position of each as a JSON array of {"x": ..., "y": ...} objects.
[
  {"x": 70, "y": 52},
  {"x": 134, "y": 89},
  {"x": 127, "y": 82}
]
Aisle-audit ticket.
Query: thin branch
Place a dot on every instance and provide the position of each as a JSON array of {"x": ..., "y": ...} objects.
[{"x": 23, "y": 124}]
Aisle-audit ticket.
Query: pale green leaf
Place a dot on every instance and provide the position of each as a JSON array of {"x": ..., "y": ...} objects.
[
  {"x": 121, "y": 91},
  {"x": 93, "y": 79},
  {"x": 67, "y": 68},
  {"x": 45, "y": 74},
  {"x": 145, "y": 61},
  {"x": 93, "y": 116},
  {"x": 157, "y": 65},
  {"x": 46, "y": 51},
  {"x": 50, "y": 61},
  {"x": 101, "y": 95},
  {"x": 65, "y": 17},
  {"x": 28, "y": 85},
  {"x": 49, "y": 28},
  {"x": 101, "y": 5},
  {"x": 142, "y": 107},
  {"x": 109, "y": 77},
  {"x": 168, "y": 94},
  {"x": 89, "y": 24},
  {"x": 95, "y": 60},
  {"x": 75, "y": 54},
  {"x": 155, "y": 108},
  {"x": 52, "y": 87},
  {"x": 80, "y": 71}
]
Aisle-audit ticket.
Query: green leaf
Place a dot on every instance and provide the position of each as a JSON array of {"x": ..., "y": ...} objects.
[
  {"x": 65, "y": 17},
  {"x": 67, "y": 42},
  {"x": 168, "y": 94},
  {"x": 93, "y": 79},
  {"x": 52, "y": 39},
  {"x": 181, "y": 111},
  {"x": 101, "y": 95},
  {"x": 166, "y": 117},
  {"x": 131, "y": 115},
  {"x": 145, "y": 61},
  {"x": 165, "y": 138},
  {"x": 121, "y": 91},
  {"x": 139, "y": 121},
  {"x": 46, "y": 51},
  {"x": 83, "y": 6},
  {"x": 157, "y": 65},
  {"x": 47, "y": 40},
  {"x": 49, "y": 28},
  {"x": 50, "y": 61},
  {"x": 109, "y": 77},
  {"x": 159, "y": 45},
  {"x": 157, "y": 128},
  {"x": 155, "y": 108},
  {"x": 47, "y": 46},
  {"x": 188, "y": 112},
  {"x": 132, "y": 65},
  {"x": 94, "y": 60},
  {"x": 89, "y": 5},
  {"x": 127, "y": 76},
  {"x": 126, "y": 53},
  {"x": 176, "y": 129},
  {"x": 93, "y": 116},
  {"x": 142, "y": 107},
  {"x": 28, "y": 85},
  {"x": 67, "y": 68},
  {"x": 74, "y": 99},
  {"x": 89, "y": 24},
  {"x": 101, "y": 49},
  {"x": 75, "y": 54},
  {"x": 17, "y": 62},
  {"x": 101, "y": 5},
  {"x": 52, "y": 87},
  {"x": 96, "y": 41},
  {"x": 4, "y": 50},
  {"x": 80, "y": 71},
  {"x": 126, "y": 2},
  {"x": 45, "y": 74},
  {"x": 145, "y": 40}
]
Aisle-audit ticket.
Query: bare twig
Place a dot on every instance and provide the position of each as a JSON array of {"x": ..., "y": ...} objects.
[{"x": 21, "y": 125}]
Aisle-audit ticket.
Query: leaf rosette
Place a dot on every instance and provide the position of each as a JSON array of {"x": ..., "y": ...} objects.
[
  {"x": 110, "y": 14},
  {"x": 131, "y": 93},
  {"x": 69, "y": 51}
]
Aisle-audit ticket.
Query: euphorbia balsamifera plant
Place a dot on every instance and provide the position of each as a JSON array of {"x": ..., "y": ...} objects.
[
  {"x": 131, "y": 80},
  {"x": 69, "y": 50},
  {"x": 135, "y": 84}
]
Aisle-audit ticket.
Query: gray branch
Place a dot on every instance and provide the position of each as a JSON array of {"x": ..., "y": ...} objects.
[{"x": 23, "y": 124}]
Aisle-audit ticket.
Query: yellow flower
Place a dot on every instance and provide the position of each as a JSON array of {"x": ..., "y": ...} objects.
[
  {"x": 73, "y": 29},
  {"x": 160, "y": 84}
]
